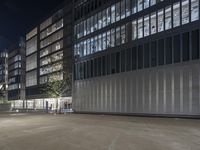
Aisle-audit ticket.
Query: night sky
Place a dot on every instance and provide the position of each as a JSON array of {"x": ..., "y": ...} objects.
[{"x": 19, "y": 16}]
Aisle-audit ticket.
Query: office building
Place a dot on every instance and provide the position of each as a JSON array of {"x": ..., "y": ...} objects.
[
  {"x": 4, "y": 75},
  {"x": 16, "y": 75},
  {"x": 138, "y": 57},
  {"x": 48, "y": 53}
]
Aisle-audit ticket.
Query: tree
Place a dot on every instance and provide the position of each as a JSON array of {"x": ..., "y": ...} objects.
[
  {"x": 3, "y": 93},
  {"x": 58, "y": 85}
]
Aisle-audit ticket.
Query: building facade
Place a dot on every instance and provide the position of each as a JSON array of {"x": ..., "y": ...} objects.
[
  {"x": 48, "y": 53},
  {"x": 4, "y": 75},
  {"x": 137, "y": 57},
  {"x": 16, "y": 75}
]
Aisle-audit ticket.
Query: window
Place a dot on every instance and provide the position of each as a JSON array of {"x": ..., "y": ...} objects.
[
  {"x": 185, "y": 47},
  {"x": 146, "y": 55},
  {"x": 140, "y": 28},
  {"x": 161, "y": 52},
  {"x": 88, "y": 26},
  {"x": 31, "y": 46},
  {"x": 140, "y": 5},
  {"x": 153, "y": 23},
  {"x": 160, "y": 21},
  {"x": 153, "y": 2},
  {"x": 153, "y": 54},
  {"x": 177, "y": 48},
  {"x": 134, "y": 58},
  {"x": 128, "y": 59},
  {"x": 100, "y": 22},
  {"x": 194, "y": 10},
  {"x": 168, "y": 50},
  {"x": 118, "y": 11},
  {"x": 112, "y": 13},
  {"x": 185, "y": 12},
  {"x": 31, "y": 34},
  {"x": 140, "y": 57},
  {"x": 123, "y": 10},
  {"x": 104, "y": 17},
  {"x": 168, "y": 18},
  {"x": 95, "y": 22},
  {"x": 146, "y": 25},
  {"x": 88, "y": 47},
  {"x": 31, "y": 78},
  {"x": 134, "y": 6},
  {"x": 195, "y": 44},
  {"x": 112, "y": 37},
  {"x": 123, "y": 61},
  {"x": 134, "y": 28},
  {"x": 128, "y": 8},
  {"x": 92, "y": 23},
  {"x": 176, "y": 14},
  {"x": 123, "y": 34},
  {"x": 100, "y": 42},
  {"x": 104, "y": 41},
  {"x": 108, "y": 39},
  {"x": 118, "y": 36},
  {"x": 31, "y": 62},
  {"x": 108, "y": 12},
  {"x": 146, "y": 3}
]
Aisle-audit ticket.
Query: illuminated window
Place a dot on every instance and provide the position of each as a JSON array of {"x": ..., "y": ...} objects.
[
  {"x": 160, "y": 21},
  {"x": 185, "y": 12},
  {"x": 153, "y": 2},
  {"x": 168, "y": 18},
  {"x": 118, "y": 11},
  {"x": 176, "y": 14},
  {"x": 146, "y": 25},
  {"x": 146, "y": 3},
  {"x": 134, "y": 28},
  {"x": 153, "y": 23},
  {"x": 123, "y": 10},
  {"x": 140, "y": 5},
  {"x": 140, "y": 28},
  {"x": 194, "y": 10},
  {"x": 31, "y": 78},
  {"x": 134, "y": 6},
  {"x": 112, "y": 13}
]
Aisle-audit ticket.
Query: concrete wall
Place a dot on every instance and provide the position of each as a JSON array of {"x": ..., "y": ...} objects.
[{"x": 167, "y": 90}]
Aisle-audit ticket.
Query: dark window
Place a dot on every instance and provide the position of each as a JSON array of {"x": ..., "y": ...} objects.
[
  {"x": 134, "y": 58},
  {"x": 92, "y": 68},
  {"x": 118, "y": 62},
  {"x": 161, "y": 52},
  {"x": 88, "y": 69},
  {"x": 113, "y": 63},
  {"x": 185, "y": 47},
  {"x": 176, "y": 49},
  {"x": 123, "y": 57},
  {"x": 195, "y": 44},
  {"x": 146, "y": 55},
  {"x": 153, "y": 54},
  {"x": 108, "y": 64},
  {"x": 85, "y": 70},
  {"x": 140, "y": 57},
  {"x": 99, "y": 67},
  {"x": 128, "y": 59},
  {"x": 168, "y": 50},
  {"x": 95, "y": 67},
  {"x": 103, "y": 66}
]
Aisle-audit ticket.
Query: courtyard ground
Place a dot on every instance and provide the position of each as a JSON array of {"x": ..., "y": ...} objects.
[{"x": 96, "y": 132}]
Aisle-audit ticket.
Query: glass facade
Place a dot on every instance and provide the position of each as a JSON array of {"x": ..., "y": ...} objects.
[
  {"x": 162, "y": 19},
  {"x": 111, "y": 38}
]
